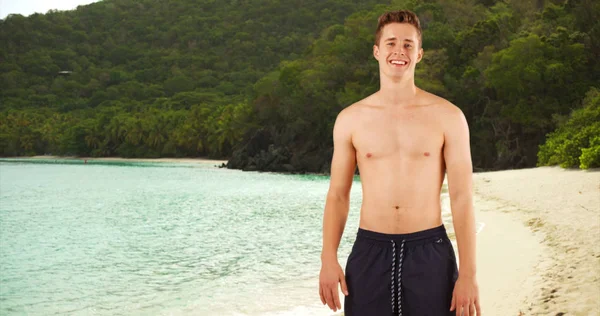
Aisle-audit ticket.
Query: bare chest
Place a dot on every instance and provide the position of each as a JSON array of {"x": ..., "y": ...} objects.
[{"x": 409, "y": 136}]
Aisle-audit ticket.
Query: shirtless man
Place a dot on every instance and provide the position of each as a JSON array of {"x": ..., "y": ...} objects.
[{"x": 404, "y": 140}]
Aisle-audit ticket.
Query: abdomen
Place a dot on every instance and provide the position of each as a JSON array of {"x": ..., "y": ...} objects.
[{"x": 401, "y": 196}]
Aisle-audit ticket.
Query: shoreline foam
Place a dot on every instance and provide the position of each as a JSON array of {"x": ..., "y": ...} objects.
[{"x": 120, "y": 159}]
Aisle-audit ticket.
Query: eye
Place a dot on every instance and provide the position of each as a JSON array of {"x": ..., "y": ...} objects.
[
  {"x": 407, "y": 45},
  {"x": 390, "y": 44}
]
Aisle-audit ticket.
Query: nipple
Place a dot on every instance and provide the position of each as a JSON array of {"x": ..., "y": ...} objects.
[
  {"x": 369, "y": 155},
  {"x": 426, "y": 154}
]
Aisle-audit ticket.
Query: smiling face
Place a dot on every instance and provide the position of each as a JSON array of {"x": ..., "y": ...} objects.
[{"x": 398, "y": 50}]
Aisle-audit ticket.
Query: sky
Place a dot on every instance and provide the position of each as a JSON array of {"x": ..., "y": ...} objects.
[{"x": 27, "y": 7}]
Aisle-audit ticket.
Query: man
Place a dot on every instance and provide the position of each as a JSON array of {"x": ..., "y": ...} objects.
[{"x": 403, "y": 140}]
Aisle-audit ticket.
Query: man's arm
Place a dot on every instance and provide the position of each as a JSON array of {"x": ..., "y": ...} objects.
[
  {"x": 459, "y": 169},
  {"x": 337, "y": 206},
  {"x": 343, "y": 165}
]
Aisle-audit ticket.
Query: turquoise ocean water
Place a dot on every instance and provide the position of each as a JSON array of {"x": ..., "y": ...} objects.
[{"x": 123, "y": 238}]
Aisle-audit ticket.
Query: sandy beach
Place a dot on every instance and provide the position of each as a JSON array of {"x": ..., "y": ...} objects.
[
  {"x": 539, "y": 253},
  {"x": 117, "y": 159}
]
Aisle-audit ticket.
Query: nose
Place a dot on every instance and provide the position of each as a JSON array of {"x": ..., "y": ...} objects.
[
  {"x": 399, "y": 54},
  {"x": 399, "y": 51}
]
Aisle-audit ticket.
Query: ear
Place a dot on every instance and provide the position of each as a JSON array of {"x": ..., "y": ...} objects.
[
  {"x": 376, "y": 52},
  {"x": 420, "y": 55}
]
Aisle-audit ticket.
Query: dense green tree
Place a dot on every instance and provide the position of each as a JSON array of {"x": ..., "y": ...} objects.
[{"x": 576, "y": 142}]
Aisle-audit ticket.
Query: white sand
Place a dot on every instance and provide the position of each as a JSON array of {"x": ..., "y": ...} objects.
[
  {"x": 182, "y": 160},
  {"x": 539, "y": 253}
]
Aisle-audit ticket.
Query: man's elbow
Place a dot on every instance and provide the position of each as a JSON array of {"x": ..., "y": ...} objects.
[
  {"x": 461, "y": 201},
  {"x": 338, "y": 196}
]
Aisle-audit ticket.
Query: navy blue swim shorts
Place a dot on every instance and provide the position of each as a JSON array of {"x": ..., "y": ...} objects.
[{"x": 401, "y": 274}]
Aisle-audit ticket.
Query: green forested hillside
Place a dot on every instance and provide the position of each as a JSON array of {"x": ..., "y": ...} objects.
[
  {"x": 517, "y": 69},
  {"x": 262, "y": 81},
  {"x": 147, "y": 78}
]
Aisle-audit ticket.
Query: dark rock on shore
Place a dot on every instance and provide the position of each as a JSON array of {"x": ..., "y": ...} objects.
[{"x": 262, "y": 153}]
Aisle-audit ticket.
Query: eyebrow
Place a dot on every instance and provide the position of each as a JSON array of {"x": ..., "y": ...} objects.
[{"x": 394, "y": 38}]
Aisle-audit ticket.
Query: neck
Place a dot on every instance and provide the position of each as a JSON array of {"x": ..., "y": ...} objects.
[{"x": 397, "y": 91}]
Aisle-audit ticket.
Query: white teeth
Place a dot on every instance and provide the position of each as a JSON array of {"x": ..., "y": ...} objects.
[{"x": 398, "y": 62}]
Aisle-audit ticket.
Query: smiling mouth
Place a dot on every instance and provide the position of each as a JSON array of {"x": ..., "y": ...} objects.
[{"x": 396, "y": 62}]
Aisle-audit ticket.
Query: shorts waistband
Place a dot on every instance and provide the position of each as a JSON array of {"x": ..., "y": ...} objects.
[{"x": 439, "y": 231}]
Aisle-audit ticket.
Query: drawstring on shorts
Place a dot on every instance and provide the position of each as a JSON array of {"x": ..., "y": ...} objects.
[{"x": 400, "y": 258}]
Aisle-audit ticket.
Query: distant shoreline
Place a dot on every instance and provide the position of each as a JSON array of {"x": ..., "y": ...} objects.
[{"x": 120, "y": 159}]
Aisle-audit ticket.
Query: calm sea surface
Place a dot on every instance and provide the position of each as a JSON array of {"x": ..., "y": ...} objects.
[{"x": 117, "y": 238}]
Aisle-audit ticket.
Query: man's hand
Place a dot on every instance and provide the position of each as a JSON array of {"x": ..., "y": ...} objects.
[
  {"x": 331, "y": 274},
  {"x": 465, "y": 298}
]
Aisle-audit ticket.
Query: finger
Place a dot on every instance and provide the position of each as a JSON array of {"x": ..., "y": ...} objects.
[
  {"x": 452, "y": 303},
  {"x": 463, "y": 310},
  {"x": 472, "y": 309},
  {"x": 328, "y": 298},
  {"x": 478, "y": 308},
  {"x": 467, "y": 308},
  {"x": 336, "y": 297},
  {"x": 321, "y": 294},
  {"x": 344, "y": 286}
]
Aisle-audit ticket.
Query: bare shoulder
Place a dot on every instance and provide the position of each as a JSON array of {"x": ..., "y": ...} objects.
[
  {"x": 343, "y": 127},
  {"x": 444, "y": 109},
  {"x": 360, "y": 106},
  {"x": 355, "y": 111}
]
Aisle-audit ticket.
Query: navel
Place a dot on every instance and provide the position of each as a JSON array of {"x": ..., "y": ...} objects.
[{"x": 397, "y": 207}]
